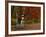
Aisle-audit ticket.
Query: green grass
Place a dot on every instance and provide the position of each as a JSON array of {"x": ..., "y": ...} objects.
[{"x": 32, "y": 21}]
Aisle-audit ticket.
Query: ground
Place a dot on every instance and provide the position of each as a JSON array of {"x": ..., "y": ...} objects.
[{"x": 35, "y": 26}]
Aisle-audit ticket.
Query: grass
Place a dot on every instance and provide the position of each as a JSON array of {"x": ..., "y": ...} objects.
[
  {"x": 32, "y": 21},
  {"x": 28, "y": 21}
]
